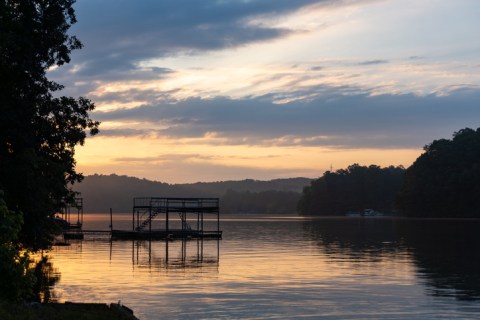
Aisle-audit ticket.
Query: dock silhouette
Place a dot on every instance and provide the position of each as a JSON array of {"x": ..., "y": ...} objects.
[{"x": 163, "y": 218}]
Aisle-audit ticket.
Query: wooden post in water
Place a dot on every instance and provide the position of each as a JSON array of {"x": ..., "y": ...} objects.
[
  {"x": 150, "y": 220},
  {"x": 133, "y": 215},
  {"x": 138, "y": 220},
  {"x": 166, "y": 220},
  {"x": 111, "y": 220}
]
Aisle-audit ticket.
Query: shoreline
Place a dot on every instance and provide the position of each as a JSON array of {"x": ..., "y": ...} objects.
[{"x": 67, "y": 310}]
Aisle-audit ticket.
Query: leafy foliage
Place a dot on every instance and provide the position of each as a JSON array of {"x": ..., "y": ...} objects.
[
  {"x": 16, "y": 278},
  {"x": 19, "y": 278},
  {"x": 38, "y": 131},
  {"x": 352, "y": 189},
  {"x": 46, "y": 277},
  {"x": 445, "y": 180}
]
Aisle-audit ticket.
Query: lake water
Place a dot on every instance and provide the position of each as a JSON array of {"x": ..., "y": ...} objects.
[{"x": 283, "y": 267}]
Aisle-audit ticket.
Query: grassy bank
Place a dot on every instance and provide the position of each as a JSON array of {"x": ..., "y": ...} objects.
[{"x": 65, "y": 311}]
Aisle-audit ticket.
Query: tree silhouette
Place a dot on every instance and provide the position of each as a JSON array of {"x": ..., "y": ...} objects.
[
  {"x": 353, "y": 189},
  {"x": 445, "y": 180},
  {"x": 270, "y": 201},
  {"x": 39, "y": 129}
]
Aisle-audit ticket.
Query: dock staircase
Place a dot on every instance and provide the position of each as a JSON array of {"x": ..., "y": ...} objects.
[
  {"x": 147, "y": 221},
  {"x": 150, "y": 218},
  {"x": 192, "y": 212},
  {"x": 150, "y": 208}
]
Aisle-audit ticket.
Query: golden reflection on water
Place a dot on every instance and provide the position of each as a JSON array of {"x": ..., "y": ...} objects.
[{"x": 263, "y": 268}]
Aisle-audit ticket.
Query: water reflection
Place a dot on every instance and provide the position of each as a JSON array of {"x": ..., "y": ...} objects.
[
  {"x": 174, "y": 254},
  {"x": 282, "y": 268},
  {"x": 46, "y": 278},
  {"x": 364, "y": 238},
  {"x": 445, "y": 252},
  {"x": 158, "y": 254},
  {"x": 447, "y": 255}
]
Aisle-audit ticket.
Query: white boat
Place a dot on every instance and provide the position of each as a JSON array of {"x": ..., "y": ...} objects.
[{"x": 372, "y": 213}]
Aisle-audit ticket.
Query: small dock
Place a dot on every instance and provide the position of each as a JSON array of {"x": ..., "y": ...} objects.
[
  {"x": 70, "y": 229},
  {"x": 159, "y": 218},
  {"x": 176, "y": 218}
]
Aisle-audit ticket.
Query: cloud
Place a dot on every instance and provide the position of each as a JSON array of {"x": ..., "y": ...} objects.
[
  {"x": 169, "y": 26},
  {"x": 118, "y": 34},
  {"x": 354, "y": 120},
  {"x": 416, "y": 57},
  {"x": 373, "y": 62},
  {"x": 175, "y": 158}
]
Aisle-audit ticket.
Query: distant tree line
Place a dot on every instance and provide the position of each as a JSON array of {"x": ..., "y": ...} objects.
[
  {"x": 443, "y": 182},
  {"x": 101, "y": 192},
  {"x": 353, "y": 189},
  {"x": 272, "y": 201}
]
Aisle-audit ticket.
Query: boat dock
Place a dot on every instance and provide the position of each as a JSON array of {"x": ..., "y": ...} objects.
[
  {"x": 163, "y": 218},
  {"x": 71, "y": 229}
]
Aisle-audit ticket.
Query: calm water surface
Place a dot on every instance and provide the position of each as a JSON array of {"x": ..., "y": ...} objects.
[{"x": 284, "y": 267}]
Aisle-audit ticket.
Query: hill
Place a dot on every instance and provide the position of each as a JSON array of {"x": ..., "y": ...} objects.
[
  {"x": 352, "y": 190},
  {"x": 101, "y": 192}
]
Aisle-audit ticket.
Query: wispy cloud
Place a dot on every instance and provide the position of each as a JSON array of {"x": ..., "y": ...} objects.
[
  {"x": 372, "y": 62},
  {"x": 119, "y": 34},
  {"x": 338, "y": 120}
]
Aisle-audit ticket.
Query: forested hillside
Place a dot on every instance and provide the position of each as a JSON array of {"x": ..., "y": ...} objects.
[
  {"x": 353, "y": 189},
  {"x": 101, "y": 192},
  {"x": 271, "y": 201},
  {"x": 445, "y": 180}
]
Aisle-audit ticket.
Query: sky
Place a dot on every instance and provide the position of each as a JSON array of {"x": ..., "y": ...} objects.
[{"x": 213, "y": 90}]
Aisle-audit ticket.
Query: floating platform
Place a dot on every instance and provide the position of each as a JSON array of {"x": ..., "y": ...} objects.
[{"x": 164, "y": 234}]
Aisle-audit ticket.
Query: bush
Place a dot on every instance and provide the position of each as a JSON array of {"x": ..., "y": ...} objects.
[{"x": 16, "y": 277}]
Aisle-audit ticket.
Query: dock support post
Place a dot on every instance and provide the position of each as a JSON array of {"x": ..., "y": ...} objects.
[
  {"x": 183, "y": 216},
  {"x": 133, "y": 215},
  {"x": 166, "y": 251},
  {"x": 166, "y": 222},
  {"x": 150, "y": 223}
]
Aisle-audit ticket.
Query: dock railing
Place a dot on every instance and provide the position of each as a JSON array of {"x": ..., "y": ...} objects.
[{"x": 191, "y": 212}]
